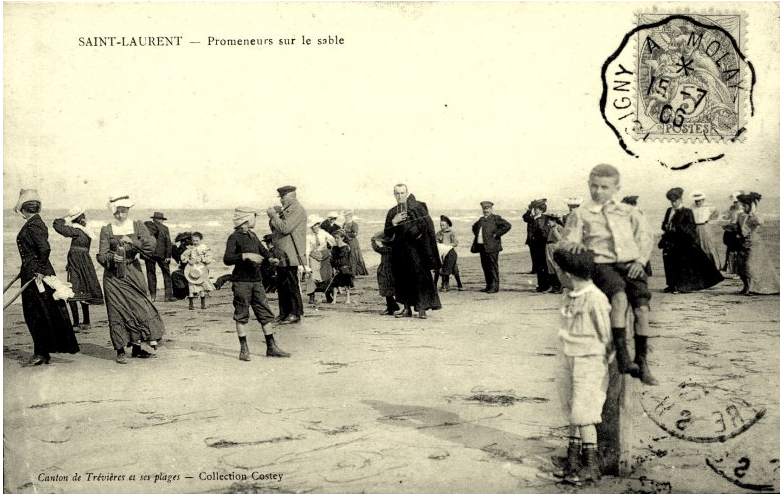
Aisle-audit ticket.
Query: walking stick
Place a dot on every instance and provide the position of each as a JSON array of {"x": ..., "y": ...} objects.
[
  {"x": 9, "y": 284},
  {"x": 17, "y": 294}
]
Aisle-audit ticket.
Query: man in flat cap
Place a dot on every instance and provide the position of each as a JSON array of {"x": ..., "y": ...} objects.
[
  {"x": 288, "y": 236},
  {"x": 414, "y": 254},
  {"x": 161, "y": 256},
  {"x": 487, "y": 242}
]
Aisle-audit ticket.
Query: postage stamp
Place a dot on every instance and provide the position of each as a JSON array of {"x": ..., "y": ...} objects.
[{"x": 679, "y": 78}]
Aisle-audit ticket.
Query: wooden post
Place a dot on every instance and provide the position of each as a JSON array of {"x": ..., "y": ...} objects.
[{"x": 618, "y": 415}]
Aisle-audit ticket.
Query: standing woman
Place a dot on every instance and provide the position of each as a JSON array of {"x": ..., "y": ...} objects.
[
  {"x": 355, "y": 255},
  {"x": 686, "y": 266},
  {"x": 752, "y": 261},
  {"x": 132, "y": 317},
  {"x": 702, "y": 214},
  {"x": 81, "y": 270},
  {"x": 46, "y": 318},
  {"x": 731, "y": 235}
]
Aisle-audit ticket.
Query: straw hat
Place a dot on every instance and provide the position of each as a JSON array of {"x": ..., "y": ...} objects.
[
  {"x": 74, "y": 213},
  {"x": 333, "y": 215},
  {"x": 574, "y": 201},
  {"x": 26, "y": 195},
  {"x": 313, "y": 220},
  {"x": 196, "y": 273},
  {"x": 698, "y": 195},
  {"x": 117, "y": 201}
]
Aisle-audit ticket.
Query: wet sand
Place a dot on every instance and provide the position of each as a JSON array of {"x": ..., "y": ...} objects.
[{"x": 462, "y": 402}]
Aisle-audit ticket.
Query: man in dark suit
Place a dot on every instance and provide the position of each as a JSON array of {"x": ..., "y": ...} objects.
[
  {"x": 487, "y": 242},
  {"x": 537, "y": 242},
  {"x": 160, "y": 256}
]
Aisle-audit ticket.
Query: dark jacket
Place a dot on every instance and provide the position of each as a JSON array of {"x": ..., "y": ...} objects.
[
  {"x": 416, "y": 233},
  {"x": 160, "y": 232},
  {"x": 493, "y": 227},
  {"x": 680, "y": 231},
  {"x": 537, "y": 230},
  {"x": 33, "y": 244}
]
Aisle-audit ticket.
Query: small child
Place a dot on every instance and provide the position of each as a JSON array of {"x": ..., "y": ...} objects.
[
  {"x": 446, "y": 236},
  {"x": 618, "y": 236},
  {"x": 384, "y": 273},
  {"x": 585, "y": 344},
  {"x": 198, "y": 258},
  {"x": 339, "y": 259}
]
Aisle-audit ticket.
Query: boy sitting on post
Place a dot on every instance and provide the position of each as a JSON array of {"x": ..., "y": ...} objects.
[
  {"x": 585, "y": 346},
  {"x": 618, "y": 236}
]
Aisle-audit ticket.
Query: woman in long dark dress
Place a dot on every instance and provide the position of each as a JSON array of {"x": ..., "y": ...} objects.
[
  {"x": 80, "y": 268},
  {"x": 46, "y": 318},
  {"x": 686, "y": 265},
  {"x": 351, "y": 230},
  {"x": 132, "y": 317}
]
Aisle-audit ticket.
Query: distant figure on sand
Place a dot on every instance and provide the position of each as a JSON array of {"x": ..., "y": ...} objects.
[
  {"x": 537, "y": 242},
  {"x": 351, "y": 230},
  {"x": 732, "y": 236},
  {"x": 529, "y": 217},
  {"x": 488, "y": 231},
  {"x": 752, "y": 261},
  {"x": 342, "y": 270},
  {"x": 46, "y": 318},
  {"x": 414, "y": 253},
  {"x": 132, "y": 317},
  {"x": 161, "y": 256},
  {"x": 686, "y": 266},
  {"x": 586, "y": 341},
  {"x": 244, "y": 252},
  {"x": 553, "y": 234},
  {"x": 618, "y": 236},
  {"x": 318, "y": 245},
  {"x": 384, "y": 273},
  {"x": 447, "y": 242},
  {"x": 80, "y": 267},
  {"x": 703, "y": 213},
  {"x": 198, "y": 258}
]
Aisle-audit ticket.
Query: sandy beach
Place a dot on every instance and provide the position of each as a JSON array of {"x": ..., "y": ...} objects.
[{"x": 462, "y": 402}]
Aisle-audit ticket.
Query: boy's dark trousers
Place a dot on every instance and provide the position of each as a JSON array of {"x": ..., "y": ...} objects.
[
  {"x": 490, "y": 268},
  {"x": 539, "y": 260}
]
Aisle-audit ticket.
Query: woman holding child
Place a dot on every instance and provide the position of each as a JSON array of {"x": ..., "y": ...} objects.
[{"x": 132, "y": 317}]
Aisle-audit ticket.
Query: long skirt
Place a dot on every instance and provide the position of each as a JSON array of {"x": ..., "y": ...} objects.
[
  {"x": 132, "y": 317},
  {"x": 688, "y": 269},
  {"x": 761, "y": 273},
  {"x": 707, "y": 244},
  {"x": 356, "y": 262},
  {"x": 48, "y": 322},
  {"x": 413, "y": 282},
  {"x": 82, "y": 276}
]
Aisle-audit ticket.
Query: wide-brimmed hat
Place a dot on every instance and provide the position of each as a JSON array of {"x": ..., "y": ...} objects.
[
  {"x": 348, "y": 211},
  {"x": 313, "y": 219},
  {"x": 333, "y": 215},
  {"x": 574, "y": 200},
  {"x": 117, "y": 201},
  {"x": 74, "y": 213},
  {"x": 630, "y": 200},
  {"x": 26, "y": 195},
  {"x": 159, "y": 215},
  {"x": 749, "y": 198},
  {"x": 446, "y": 219},
  {"x": 182, "y": 236},
  {"x": 698, "y": 195},
  {"x": 539, "y": 203},
  {"x": 242, "y": 215},
  {"x": 674, "y": 194},
  {"x": 196, "y": 273},
  {"x": 735, "y": 194}
]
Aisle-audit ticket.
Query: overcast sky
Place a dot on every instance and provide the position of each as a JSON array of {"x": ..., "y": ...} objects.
[{"x": 461, "y": 102}]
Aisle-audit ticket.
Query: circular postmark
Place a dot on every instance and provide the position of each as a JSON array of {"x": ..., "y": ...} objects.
[{"x": 679, "y": 78}]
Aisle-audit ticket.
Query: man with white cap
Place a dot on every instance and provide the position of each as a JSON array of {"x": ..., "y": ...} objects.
[
  {"x": 245, "y": 252},
  {"x": 288, "y": 235}
]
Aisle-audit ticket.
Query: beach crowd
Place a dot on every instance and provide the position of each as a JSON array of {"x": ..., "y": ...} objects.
[{"x": 597, "y": 256}]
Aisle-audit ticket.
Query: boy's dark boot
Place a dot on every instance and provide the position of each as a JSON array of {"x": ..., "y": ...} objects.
[
  {"x": 573, "y": 458},
  {"x": 445, "y": 283},
  {"x": 590, "y": 470},
  {"x": 244, "y": 354},
  {"x": 625, "y": 365},
  {"x": 643, "y": 374},
  {"x": 192, "y": 307},
  {"x": 272, "y": 350},
  {"x": 202, "y": 303}
]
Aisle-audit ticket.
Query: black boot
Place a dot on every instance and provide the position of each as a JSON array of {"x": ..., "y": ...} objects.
[
  {"x": 203, "y": 302},
  {"x": 625, "y": 365},
  {"x": 406, "y": 312},
  {"x": 640, "y": 358},
  {"x": 272, "y": 350},
  {"x": 445, "y": 283},
  {"x": 74, "y": 310},
  {"x": 139, "y": 352},
  {"x": 85, "y": 324},
  {"x": 244, "y": 353},
  {"x": 590, "y": 470},
  {"x": 573, "y": 459},
  {"x": 192, "y": 307}
]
